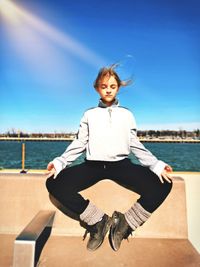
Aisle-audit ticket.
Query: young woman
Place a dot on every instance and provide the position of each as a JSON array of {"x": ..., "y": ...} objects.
[{"x": 108, "y": 135}]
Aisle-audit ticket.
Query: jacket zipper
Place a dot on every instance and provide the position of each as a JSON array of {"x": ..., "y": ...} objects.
[{"x": 110, "y": 114}]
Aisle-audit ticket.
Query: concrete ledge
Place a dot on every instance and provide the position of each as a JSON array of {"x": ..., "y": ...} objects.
[
  {"x": 160, "y": 242},
  {"x": 192, "y": 184},
  {"x": 143, "y": 252},
  {"x": 23, "y": 195}
]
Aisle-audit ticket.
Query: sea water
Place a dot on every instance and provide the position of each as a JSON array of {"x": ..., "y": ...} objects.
[{"x": 181, "y": 156}]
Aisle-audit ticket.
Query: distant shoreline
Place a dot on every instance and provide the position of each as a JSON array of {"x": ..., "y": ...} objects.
[{"x": 145, "y": 140}]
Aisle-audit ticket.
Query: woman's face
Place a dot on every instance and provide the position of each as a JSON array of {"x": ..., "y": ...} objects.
[{"x": 108, "y": 89}]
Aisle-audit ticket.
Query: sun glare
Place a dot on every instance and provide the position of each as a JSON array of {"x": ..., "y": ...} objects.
[
  {"x": 9, "y": 11},
  {"x": 22, "y": 18}
]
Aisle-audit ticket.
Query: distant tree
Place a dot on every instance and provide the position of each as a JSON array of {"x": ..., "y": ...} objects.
[
  {"x": 157, "y": 134},
  {"x": 197, "y": 132}
]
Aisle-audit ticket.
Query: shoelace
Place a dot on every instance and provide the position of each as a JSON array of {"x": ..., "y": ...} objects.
[
  {"x": 85, "y": 234},
  {"x": 91, "y": 231},
  {"x": 128, "y": 232}
]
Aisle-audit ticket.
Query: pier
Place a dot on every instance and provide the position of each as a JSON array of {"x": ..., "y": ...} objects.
[
  {"x": 49, "y": 139},
  {"x": 168, "y": 140},
  {"x": 61, "y": 139}
]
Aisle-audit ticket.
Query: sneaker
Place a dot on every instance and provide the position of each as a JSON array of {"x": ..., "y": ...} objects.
[
  {"x": 97, "y": 232},
  {"x": 119, "y": 230}
]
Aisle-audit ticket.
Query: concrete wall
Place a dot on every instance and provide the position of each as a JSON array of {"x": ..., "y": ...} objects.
[
  {"x": 23, "y": 195},
  {"x": 192, "y": 184}
]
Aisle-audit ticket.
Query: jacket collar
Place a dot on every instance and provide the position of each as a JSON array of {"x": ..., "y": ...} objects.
[{"x": 103, "y": 105}]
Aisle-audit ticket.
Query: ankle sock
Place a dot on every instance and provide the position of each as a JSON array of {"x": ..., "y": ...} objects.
[
  {"x": 136, "y": 216},
  {"x": 91, "y": 214}
]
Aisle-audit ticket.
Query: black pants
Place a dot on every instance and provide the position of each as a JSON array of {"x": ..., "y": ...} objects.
[{"x": 70, "y": 181}]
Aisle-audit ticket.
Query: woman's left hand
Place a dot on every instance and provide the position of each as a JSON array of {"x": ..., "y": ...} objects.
[{"x": 165, "y": 174}]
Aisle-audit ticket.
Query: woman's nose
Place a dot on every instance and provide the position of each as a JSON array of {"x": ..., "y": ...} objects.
[{"x": 108, "y": 90}]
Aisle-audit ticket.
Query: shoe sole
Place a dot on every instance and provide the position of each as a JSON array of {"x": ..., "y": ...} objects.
[
  {"x": 106, "y": 229},
  {"x": 111, "y": 233}
]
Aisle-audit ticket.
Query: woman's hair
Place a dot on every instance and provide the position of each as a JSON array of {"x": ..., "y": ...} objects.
[{"x": 108, "y": 72}]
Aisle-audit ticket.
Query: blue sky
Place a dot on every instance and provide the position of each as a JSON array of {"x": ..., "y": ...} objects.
[{"x": 51, "y": 51}]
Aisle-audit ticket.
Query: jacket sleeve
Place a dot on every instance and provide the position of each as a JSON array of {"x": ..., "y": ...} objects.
[
  {"x": 145, "y": 157},
  {"x": 75, "y": 149}
]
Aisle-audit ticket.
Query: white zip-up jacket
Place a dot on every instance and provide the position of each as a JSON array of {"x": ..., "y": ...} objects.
[{"x": 108, "y": 134}]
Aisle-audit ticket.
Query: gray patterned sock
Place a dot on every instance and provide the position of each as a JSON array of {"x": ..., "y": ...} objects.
[
  {"x": 136, "y": 216},
  {"x": 91, "y": 214}
]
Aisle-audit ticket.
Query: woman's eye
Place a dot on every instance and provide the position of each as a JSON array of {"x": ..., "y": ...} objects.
[{"x": 103, "y": 87}]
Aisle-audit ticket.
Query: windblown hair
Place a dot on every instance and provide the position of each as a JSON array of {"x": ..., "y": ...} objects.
[{"x": 108, "y": 72}]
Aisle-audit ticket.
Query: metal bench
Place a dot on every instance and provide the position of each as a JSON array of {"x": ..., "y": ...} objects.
[{"x": 29, "y": 243}]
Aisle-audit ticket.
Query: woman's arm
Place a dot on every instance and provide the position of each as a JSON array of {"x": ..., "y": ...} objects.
[
  {"x": 145, "y": 157},
  {"x": 73, "y": 151}
]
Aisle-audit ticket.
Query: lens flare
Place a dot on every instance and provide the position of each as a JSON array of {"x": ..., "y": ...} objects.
[
  {"x": 9, "y": 11},
  {"x": 19, "y": 17}
]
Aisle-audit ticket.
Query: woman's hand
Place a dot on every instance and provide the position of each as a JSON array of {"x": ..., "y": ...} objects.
[
  {"x": 165, "y": 174},
  {"x": 51, "y": 169}
]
